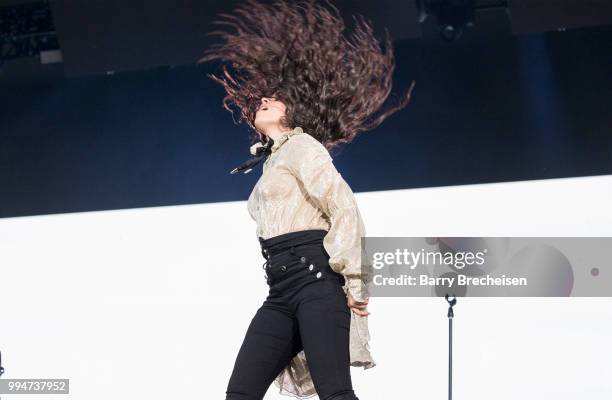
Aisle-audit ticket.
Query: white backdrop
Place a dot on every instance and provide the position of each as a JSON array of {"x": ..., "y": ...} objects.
[{"x": 153, "y": 303}]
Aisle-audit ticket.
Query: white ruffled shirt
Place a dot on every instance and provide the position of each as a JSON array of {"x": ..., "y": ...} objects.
[{"x": 300, "y": 189}]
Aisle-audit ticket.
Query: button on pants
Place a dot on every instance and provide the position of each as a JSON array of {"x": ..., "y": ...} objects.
[{"x": 306, "y": 309}]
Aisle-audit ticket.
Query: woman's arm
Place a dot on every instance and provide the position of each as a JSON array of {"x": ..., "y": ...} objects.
[{"x": 312, "y": 165}]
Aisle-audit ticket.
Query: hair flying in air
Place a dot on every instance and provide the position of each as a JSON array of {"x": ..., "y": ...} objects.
[{"x": 334, "y": 86}]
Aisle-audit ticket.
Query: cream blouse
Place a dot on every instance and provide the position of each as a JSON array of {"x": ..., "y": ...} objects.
[{"x": 300, "y": 189}]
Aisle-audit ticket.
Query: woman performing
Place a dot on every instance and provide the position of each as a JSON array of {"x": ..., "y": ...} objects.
[{"x": 303, "y": 88}]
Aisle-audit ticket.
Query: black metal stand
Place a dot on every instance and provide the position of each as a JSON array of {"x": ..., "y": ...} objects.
[{"x": 452, "y": 301}]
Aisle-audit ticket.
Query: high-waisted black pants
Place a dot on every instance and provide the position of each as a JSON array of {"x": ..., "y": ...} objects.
[{"x": 306, "y": 309}]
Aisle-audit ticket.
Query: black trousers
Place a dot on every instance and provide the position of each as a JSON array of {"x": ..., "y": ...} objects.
[{"x": 307, "y": 309}]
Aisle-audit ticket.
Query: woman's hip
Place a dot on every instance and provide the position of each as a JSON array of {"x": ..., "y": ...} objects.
[{"x": 297, "y": 256}]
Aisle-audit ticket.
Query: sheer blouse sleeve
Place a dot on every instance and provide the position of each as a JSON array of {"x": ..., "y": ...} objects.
[{"x": 311, "y": 164}]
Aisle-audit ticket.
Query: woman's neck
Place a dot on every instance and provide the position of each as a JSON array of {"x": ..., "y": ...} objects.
[{"x": 276, "y": 133}]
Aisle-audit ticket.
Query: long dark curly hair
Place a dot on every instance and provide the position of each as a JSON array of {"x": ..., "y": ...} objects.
[{"x": 297, "y": 52}]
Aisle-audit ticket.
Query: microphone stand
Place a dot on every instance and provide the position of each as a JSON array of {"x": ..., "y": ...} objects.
[{"x": 450, "y": 316}]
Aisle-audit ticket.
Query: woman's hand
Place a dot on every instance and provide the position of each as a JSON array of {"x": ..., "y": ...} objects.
[{"x": 358, "y": 307}]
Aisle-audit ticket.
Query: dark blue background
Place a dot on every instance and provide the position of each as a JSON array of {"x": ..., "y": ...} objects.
[{"x": 493, "y": 108}]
